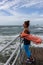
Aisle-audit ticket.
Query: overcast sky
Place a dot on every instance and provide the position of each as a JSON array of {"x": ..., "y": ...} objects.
[{"x": 15, "y": 12}]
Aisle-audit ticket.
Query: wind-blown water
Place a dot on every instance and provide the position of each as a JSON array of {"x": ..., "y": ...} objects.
[
  {"x": 12, "y": 30},
  {"x": 8, "y": 33}
]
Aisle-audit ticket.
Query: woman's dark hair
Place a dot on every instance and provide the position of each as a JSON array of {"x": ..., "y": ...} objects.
[{"x": 27, "y": 23}]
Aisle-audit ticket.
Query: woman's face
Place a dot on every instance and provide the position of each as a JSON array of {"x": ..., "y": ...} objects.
[{"x": 24, "y": 25}]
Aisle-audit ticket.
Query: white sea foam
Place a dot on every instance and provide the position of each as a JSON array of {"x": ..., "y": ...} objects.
[
  {"x": 39, "y": 28},
  {"x": 1, "y": 63},
  {"x": 5, "y": 39}
]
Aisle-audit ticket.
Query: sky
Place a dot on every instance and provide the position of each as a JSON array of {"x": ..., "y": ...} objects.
[{"x": 15, "y": 12}]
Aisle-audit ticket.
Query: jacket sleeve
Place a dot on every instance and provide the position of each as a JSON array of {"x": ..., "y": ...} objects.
[{"x": 31, "y": 37}]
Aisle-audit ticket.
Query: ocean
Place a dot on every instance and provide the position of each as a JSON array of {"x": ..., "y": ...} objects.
[
  {"x": 8, "y": 33},
  {"x": 12, "y": 30}
]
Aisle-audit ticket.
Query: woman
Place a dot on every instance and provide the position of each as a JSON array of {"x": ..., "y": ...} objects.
[{"x": 27, "y": 42}]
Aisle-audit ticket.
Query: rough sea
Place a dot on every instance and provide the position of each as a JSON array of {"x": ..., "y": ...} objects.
[{"x": 8, "y": 33}]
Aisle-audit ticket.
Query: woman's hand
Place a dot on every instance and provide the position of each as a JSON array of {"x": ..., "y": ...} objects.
[{"x": 20, "y": 34}]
